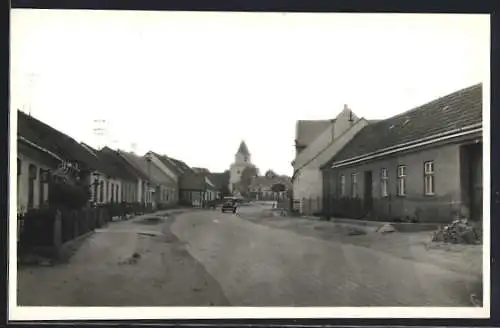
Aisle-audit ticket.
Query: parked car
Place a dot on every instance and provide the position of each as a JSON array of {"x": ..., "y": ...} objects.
[{"x": 229, "y": 205}]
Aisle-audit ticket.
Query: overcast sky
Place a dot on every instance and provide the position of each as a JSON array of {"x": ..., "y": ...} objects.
[{"x": 193, "y": 85}]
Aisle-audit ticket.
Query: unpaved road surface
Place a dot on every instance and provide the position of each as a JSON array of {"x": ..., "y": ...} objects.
[
  {"x": 206, "y": 257},
  {"x": 260, "y": 266},
  {"x": 133, "y": 263}
]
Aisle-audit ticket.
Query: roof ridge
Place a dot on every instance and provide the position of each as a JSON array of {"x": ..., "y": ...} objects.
[
  {"x": 458, "y": 109},
  {"x": 414, "y": 109}
]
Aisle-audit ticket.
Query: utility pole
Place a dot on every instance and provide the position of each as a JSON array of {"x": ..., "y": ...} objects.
[{"x": 100, "y": 132}]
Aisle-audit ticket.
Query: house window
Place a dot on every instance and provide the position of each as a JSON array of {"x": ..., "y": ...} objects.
[
  {"x": 342, "y": 185},
  {"x": 401, "y": 180},
  {"x": 96, "y": 190},
  {"x": 354, "y": 185},
  {"x": 429, "y": 178},
  {"x": 19, "y": 165},
  {"x": 41, "y": 186},
  {"x": 384, "y": 182},
  {"x": 245, "y": 159},
  {"x": 101, "y": 191},
  {"x": 32, "y": 173},
  {"x": 117, "y": 192}
]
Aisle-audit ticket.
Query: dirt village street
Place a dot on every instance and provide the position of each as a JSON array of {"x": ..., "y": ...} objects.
[{"x": 209, "y": 258}]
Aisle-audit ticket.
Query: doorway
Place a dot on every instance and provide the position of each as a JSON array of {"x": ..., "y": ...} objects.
[{"x": 472, "y": 179}]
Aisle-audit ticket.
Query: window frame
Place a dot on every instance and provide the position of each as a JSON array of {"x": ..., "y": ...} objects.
[
  {"x": 32, "y": 178},
  {"x": 429, "y": 175},
  {"x": 402, "y": 176},
  {"x": 384, "y": 182},
  {"x": 354, "y": 185},
  {"x": 342, "y": 185}
]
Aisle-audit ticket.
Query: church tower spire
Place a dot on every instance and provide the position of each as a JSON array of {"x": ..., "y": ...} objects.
[
  {"x": 242, "y": 155},
  {"x": 242, "y": 160},
  {"x": 243, "y": 149}
]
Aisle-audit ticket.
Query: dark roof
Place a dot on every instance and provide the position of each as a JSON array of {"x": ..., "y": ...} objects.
[
  {"x": 184, "y": 168},
  {"x": 118, "y": 165},
  {"x": 457, "y": 110},
  {"x": 308, "y": 130},
  {"x": 201, "y": 170},
  {"x": 220, "y": 180},
  {"x": 266, "y": 182},
  {"x": 154, "y": 173},
  {"x": 168, "y": 163},
  {"x": 55, "y": 141},
  {"x": 243, "y": 149}
]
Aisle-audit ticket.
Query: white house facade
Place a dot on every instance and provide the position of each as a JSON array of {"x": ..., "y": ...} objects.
[{"x": 307, "y": 178}]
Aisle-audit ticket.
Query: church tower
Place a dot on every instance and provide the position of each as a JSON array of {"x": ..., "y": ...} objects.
[{"x": 242, "y": 159}]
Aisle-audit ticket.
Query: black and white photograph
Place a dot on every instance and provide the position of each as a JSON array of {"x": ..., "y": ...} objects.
[{"x": 248, "y": 165}]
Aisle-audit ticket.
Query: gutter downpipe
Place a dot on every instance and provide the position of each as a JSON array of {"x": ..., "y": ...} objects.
[{"x": 410, "y": 145}]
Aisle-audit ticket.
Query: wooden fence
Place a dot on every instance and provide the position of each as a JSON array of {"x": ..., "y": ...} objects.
[{"x": 49, "y": 226}]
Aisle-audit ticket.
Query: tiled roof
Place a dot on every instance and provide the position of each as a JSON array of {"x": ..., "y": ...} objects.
[
  {"x": 265, "y": 182},
  {"x": 201, "y": 170},
  {"x": 168, "y": 163},
  {"x": 243, "y": 149},
  {"x": 183, "y": 167},
  {"x": 188, "y": 179},
  {"x": 55, "y": 141},
  {"x": 457, "y": 110},
  {"x": 220, "y": 180},
  {"x": 150, "y": 169},
  {"x": 308, "y": 130},
  {"x": 119, "y": 167}
]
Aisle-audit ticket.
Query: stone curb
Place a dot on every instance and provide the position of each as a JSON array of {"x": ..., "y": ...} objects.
[{"x": 399, "y": 226}]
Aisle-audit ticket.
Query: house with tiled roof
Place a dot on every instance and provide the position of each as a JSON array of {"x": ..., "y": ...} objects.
[
  {"x": 105, "y": 184},
  {"x": 424, "y": 164},
  {"x": 192, "y": 187},
  {"x": 315, "y": 143},
  {"x": 44, "y": 152},
  {"x": 261, "y": 187},
  {"x": 120, "y": 183},
  {"x": 159, "y": 189}
]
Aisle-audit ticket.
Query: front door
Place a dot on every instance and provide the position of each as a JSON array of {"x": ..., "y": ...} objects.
[
  {"x": 476, "y": 177},
  {"x": 368, "y": 189}
]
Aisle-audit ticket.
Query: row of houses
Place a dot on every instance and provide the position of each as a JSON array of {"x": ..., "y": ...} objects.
[
  {"x": 112, "y": 176},
  {"x": 261, "y": 187},
  {"x": 425, "y": 163}
]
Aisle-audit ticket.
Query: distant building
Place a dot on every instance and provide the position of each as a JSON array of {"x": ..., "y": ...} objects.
[
  {"x": 261, "y": 187},
  {"x": 193, "y": 186},
  {"x": 159, "y": 189},
  {"x": 242, "y": 160},
  {"x": 317, "y": 142}
]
